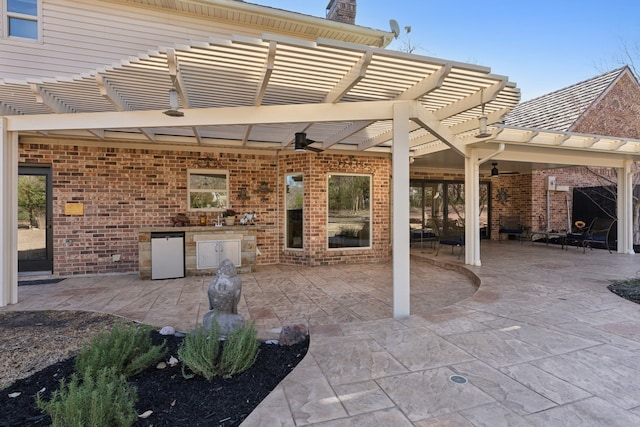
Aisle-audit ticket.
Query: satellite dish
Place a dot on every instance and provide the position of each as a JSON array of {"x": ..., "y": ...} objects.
[{"x": 395, "y": 28}]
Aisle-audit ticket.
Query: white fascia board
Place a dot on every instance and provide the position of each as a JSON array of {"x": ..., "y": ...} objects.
[{"x": 561, "y": 156}]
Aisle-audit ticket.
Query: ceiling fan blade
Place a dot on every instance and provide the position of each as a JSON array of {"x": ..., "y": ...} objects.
[
  {"x": 303, "y": 143},
  {"x": 314, "y": 149}
]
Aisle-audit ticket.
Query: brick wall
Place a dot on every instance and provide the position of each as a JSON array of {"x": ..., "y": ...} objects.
[
  {"x": 617, "y": 113},
  {"x": 315, "y": 169},
  {"x": 124, "y": 189}
]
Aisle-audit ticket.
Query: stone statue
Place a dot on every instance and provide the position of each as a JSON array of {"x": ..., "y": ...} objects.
[{"x": 224, "y": 295}]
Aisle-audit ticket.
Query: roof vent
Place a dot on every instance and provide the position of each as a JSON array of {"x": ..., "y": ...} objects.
[{"x": 342, "y": 11}]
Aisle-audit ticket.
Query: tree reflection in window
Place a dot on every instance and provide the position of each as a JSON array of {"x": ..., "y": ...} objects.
[
  {"x": 294, "y": 198},
  {"x": 349, "y": 211},
  {"x": 208, "y": 190}
]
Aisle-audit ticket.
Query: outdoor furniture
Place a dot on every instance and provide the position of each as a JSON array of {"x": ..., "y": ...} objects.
[
  {"x": 423, "y": 235},
  {"x": 511, "y": 226},
  {"x": 546, "y": 235},
  {"x": 453, "y": 236},
  {"x": 598, "y": 232}
]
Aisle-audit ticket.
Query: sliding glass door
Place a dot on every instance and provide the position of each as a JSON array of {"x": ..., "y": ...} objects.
[{"x": 439, "y": 206}]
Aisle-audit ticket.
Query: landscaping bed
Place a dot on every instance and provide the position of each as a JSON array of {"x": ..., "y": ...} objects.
[{"x": 173, "y": 399}]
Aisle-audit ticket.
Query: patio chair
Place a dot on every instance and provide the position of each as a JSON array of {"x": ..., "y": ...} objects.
[
  {"x": 452, "y": 236},
  {"x": 598, "y": 232},
  {"x": 511, "y": 226},
  {"x": 422, "y": 235}
]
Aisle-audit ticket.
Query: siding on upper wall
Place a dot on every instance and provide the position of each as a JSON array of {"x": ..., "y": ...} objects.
[{"x": 80, "y": 36}]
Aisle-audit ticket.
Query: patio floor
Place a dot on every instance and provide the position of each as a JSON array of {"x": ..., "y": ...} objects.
[{"x": 542, "y": 342}]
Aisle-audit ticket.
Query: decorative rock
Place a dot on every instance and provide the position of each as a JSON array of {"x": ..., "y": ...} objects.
[
  {"x": 172, "y": 361},
  {"x": 271, "y": 342},
  {"x": 167, "y": 330},
  {"x": 161, "y": 365},
  {"x": 293, "y": 334},
  {"x": 145, "y": 414},
  {"x": 224, "y": 295}
]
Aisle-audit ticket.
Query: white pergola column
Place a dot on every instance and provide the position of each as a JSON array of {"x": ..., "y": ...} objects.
[
  {"x": 8, "y": 215},
  {"x": 471, "y": 209},
  {"x": 400, "y": 211},
  {"x": 625, "y": 208}
]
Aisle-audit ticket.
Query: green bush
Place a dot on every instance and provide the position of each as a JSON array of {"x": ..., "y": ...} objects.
[
  {"x": 204, "y": 354},
  {"x": 127, "y": 349},
  {"x": 239, "y": 351},
  {"x": 104, "y": 399},
  {"x": 199, "y": 351}
]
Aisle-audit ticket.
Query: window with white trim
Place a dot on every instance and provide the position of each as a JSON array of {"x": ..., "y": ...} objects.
[
  {"x": 208, "y": 190},
  {"x": 22, "y": 18}
]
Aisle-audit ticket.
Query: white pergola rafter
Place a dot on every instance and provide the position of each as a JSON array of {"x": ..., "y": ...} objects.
[
  {"x": 112, "y": 95},
  {"x": 180, "y": 86}
]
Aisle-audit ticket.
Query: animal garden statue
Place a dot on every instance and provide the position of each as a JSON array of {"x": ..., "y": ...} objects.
[{"x": 224, "y": 295}]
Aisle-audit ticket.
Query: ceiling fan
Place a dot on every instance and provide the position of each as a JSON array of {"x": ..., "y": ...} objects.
[{"x": 302, "y": 143}]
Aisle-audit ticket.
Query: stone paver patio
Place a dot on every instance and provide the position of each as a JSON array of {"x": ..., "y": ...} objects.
[{"x": 542, "y": 342}]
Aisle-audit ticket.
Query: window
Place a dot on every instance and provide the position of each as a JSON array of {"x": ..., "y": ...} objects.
[
  {"x": 294, "y": 198},
  {"x": 21, "y": 18},
  {"x": 208, "y": 190},
  {"x": 349, "y": 211}
]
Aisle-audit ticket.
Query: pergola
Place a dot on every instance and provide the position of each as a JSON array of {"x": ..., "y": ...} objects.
[{"x": 248, "y": 93}]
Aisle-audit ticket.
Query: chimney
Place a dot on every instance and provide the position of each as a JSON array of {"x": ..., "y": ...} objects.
[{"x": 342, "y": 11}]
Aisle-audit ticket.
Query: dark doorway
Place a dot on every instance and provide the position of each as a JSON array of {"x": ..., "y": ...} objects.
[
  {"x": 592, "y": 202},
  {"x": 596, "y": 202},
  {"x": 35, "y": 231}
]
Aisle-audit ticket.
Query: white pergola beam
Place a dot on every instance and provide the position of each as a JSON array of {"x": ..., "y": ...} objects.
[
  {"x": 484, "y": 95},
  {"x": 272, "y": 114},
  {"x": 427, "y": 120},
  {"x": 357, "y": 72},
  {"x": 269, "y": 65},
  {"x": 426, "y": 85}
]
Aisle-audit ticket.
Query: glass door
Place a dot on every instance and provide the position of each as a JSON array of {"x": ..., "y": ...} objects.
[{"x": 35, "y": 233}]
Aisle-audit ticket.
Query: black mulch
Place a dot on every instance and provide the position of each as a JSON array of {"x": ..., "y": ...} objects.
[
  {"x": 627, "y": 289},
  {"x": 174, "y": 400}
]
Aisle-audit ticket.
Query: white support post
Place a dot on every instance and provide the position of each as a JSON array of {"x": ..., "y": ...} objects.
[
  {"x": 8, "y": 215},
  {"x": 471, "y": 209},
  {"x": 400, "y": 203},
  {"x": 625, "y": 208}
]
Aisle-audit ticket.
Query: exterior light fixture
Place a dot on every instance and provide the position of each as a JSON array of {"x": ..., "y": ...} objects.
[
  {"x": 494, "y": 170},
  {"x": 173, "y": 105},
  {"x": 482, "y": 120}
]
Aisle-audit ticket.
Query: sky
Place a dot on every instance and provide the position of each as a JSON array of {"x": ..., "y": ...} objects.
[{"x": 540, "y": 45}]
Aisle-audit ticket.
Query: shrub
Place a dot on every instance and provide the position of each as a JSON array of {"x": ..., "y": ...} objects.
[
  {"x": 199, "y": 351},
  {"x": 127, "y": 349},
  {"x": 239, "y": 351},
  {"x": 204, "y": 354},
  {"x": 102, "y": 399}
]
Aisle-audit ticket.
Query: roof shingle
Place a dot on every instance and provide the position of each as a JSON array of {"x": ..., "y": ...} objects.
[{"x": 560, "y": 110}]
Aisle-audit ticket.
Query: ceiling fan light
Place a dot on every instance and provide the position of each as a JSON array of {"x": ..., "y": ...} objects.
[{"x": 300, "y": 141}]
